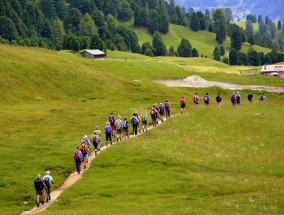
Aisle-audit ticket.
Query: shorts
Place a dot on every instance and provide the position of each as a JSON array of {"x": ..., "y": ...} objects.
[
  {"x": 108, "y": 136},
  {"x": 144, "y": 122},
  {"x": 161, "y": 113},
  {"x": 39, "y": 192},
  {"x": 182, "y": 105},
  {"x": 125, "y": 131},
  {"x": 118, "y": 131},
  {"x": 85, "y": 157}
]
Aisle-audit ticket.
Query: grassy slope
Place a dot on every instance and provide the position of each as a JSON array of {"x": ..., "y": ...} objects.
[
  {"x": 49, "y": 100},
  {"x": 203, "y": 41}
]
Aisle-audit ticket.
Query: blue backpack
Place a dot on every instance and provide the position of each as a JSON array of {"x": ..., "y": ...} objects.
[
  {"x": 161, "y": 109},
  {"x": 233, "y": 99},
  {"x": 133, "y": 120},
  {"x": 107, "y": 129},
  {"x": 167, "y": 105}
]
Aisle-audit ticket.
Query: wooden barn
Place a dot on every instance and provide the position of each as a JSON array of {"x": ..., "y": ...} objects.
[
  {"x": 273, "y": 70},
  {"x": 93, "y": 54}
]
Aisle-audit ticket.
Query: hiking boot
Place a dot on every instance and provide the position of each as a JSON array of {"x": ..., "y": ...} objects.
[
  {"x": 116, "y": 140},
  {"x": 42, "y": 203},
  {"x": 37, "y": 204}
]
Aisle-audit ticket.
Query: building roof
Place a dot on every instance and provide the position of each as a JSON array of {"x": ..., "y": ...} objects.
[
  {"x": 94, "y": 52},
  {"x": 272, "y": 68}
]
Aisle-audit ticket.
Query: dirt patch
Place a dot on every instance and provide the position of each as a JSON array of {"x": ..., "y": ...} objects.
[{"x": 198, "y": 82}]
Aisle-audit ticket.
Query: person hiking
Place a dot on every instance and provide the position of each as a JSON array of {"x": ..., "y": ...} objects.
[
  {"x": 144, "y": 119},
  {"x": 157, "y": 113},
  {"x": 138, "y": 123},
  {"x": 118, "y": 125},
  {"x": 233, "y": 99},
  {"x": 196, "y": 99},
  {"x": 48, "y": 180},
  {"x": 218, "y": 100},
  {"x": 161, "y": 112},
  {"x": 78, "y": 159},
  {"x": 262, "y": 98},
  {"x": 86, "y": 141},
  {"x": 108, "y": 132},
  {"x": 125, "y": 128},
  {"x": 238, "y": 98},
  {"x": 167, "y": 108},
  {"x": 250, "y": 97},
  {"x": 112, "y": 123},
  {"x": 99, "y": 134},
  {"x": 85, "y": 152},
  {"x": 182, "y": 104},
  {"x": 39, "y": 186},
  {"x": 95, "y": 141},
  {"x": 153, "y": 115},
  {"x": 206, "y": 99},
  {"x": 134, "y": 123}
]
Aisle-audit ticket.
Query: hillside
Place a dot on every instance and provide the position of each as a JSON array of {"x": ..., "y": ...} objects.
[{"x": 49, "y": 100}]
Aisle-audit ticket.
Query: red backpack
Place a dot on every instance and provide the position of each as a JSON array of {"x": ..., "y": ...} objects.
[
  {"x": 83, "y": 149},
  {"x": 182, "y": 101}
]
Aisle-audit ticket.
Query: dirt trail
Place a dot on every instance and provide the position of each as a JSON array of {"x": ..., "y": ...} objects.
[
  {"x": 198, "y": 82},
  {"x": 73, "y": 178}
]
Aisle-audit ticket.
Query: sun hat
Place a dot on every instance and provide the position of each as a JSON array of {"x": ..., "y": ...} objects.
[{"x": 47, "y": 172}]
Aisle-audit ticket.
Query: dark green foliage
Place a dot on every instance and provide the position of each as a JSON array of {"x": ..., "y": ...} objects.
[
  {"x": 124, "y": 12},
  {"x": 7, "y": 28},
  {"x": 262, "y": 28},
  {"x": 222, "y": 50},
  {"x": 184, "y": 48},
  {"x": 279, "y": 24},
  {"x": 74, "y": 43},
  {"x": 217, "y": 53},
  {"x": 154, "y": 21},
  {"x": 195, "y": 53},
  {"x": 253, "y": 58},
  {"x": 87, "y": 26},
  {"x": 96, "y": 42},
  {"x": 194, "y": 22},
  {"x": 47, "y": 29},
  {"x": 233, "y": 57},
  {"x": 259, "y": 20},
  {"x": 272, "y": 29},
  {"x": 210, "y": 28},
  {"x": 251, "y": 39},
  {"x": 172, "y": 51},
  {"x": 98, "y": 17},
  {"x": 236, "y": 37},
  {"x": 252, "y": 18},
  {"x": 243, "y": 59},
  {"x": 158, "y": 45},
  {"x": 249, "y": 26},
  {"x": 57, "y": 34},
  {"x": 220, "y": 26},
  {"x": 225, "y": 60}
]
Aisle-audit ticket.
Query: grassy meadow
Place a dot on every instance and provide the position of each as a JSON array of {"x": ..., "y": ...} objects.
[{"x": 207, "y": 161}]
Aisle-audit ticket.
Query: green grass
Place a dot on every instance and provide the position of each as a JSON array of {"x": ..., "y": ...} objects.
[{"x": 220, "y": 161}]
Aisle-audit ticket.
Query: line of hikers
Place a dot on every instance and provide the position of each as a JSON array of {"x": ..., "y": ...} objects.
[
  {"x": 235, "y": 100},
  {"x": 116, "y": 128}
]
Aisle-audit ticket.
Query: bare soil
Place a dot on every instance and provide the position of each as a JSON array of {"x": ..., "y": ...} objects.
[{"x": 198, "y": 82}]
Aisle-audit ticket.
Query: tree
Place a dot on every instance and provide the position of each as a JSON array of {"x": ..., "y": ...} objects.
[
  {"x": 272, "y": 29},
  {"x": 145, "y": 46},
  {"x": 172, "y": 51},
  {"x": 233, "y": 57},
  {"x": 262, "y": 28},
  {"x": 87, "y": 26},
  {"x": 98, "y": 18},
  {"x": 74, "y": 43},
  {"x": 195, "y": 22},
  {"x": 222, "y": 50},
  {"x": 195, "y": 53},
  {"x": 47, "y": 29},
  {"x": 97, "y": 43},
  {"x": 58, "y": 34},
  {"x": 48, "y": 8},
  {"x": 251, "y": 39},
  {"x": 249, "y": 26},
  {"x": 228, "y": 15},
  {"x": 210, "y": 28},
  {"x": 217, "y": 53},
  {"x": 259, "y": 20},
  {"x": 220, "y": 26},
  {"x": 267, "y": 20},
  {"x": 158, "y": 45},
  {"x": 124, "y": 12},
  {"x": 236, "y": 38},
  {"x": 279, "y": 25},
  {"x": 253, "y": 58},
  {"x": 7, "y": 28},
  {"x": 243, "y": 59},
  {"x": 154, "y": 21},
  {"x": 184, "y": 48}
]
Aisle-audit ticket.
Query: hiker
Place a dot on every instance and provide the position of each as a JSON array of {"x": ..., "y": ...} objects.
[
  {"x": 86, "y": 141},
  {"x": 48, "y": 180},
  {"x": 39, "y": 185},
  {"x": 134, "y": 122},
  {"x": 238, "y": 98},
  {"x": 233, "y": 99},
  {"x": 108, "y": 132},
  {"x": 144, "y": 118},
  {"x": 118, "y": 125},
  {"x": 125, "y": 128},
  {"x": 206, "y": 99},
  {"x": 112, "y": 123},
  {"x": 96, "y": 142},
  {"x": 167, "y": 108},
  {"x": 218, "y": 100},
  {"x": 182, "y": 104},
  {"x": 161, "y": 112},
  {"x": 85, "y": 152},
  {"x": 262, "y": 98},
  {"x": 196, "y": 99},
  {"x": 250, "y": 97},
  {"x": 157, "y": 113},
  {"x": 99, "y": 134},
  {"x": 153, "y": 115},
  {"x": 78, "y": 159},
  {"x": 138, "y": 123}
]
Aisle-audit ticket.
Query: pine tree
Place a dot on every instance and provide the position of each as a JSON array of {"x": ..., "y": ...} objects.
[
  {"x": 87, "y": 26},
  {"x": 249, "y": 26},
  {"x": 217, "y": 53},
  {"x": 233, "y": 57},
  {"x": 74, "y": 43},
  {"x": 195, "y": 22},
  {"x": 154, "y": 21},
  {"x": 7, "y": 28},
  {"x": 279, "y": 24},
  {"x": 58, "y": 34},
  {"x": 251, "y": 39},
  {"x": 172, "y": 51},
  {"x": 253, "y": 58},
  {"x": 184, "y": 48},
  {"x": 222, "y": 50},
  {"x": 158, "y": 45},
  {"x": 220, "y": 26},
  {"x": 236, "y": 38},
  {"x": 97, "y": 43},
  {"x": 195, "y": 53},
  {"x": 124, "y": 12}
]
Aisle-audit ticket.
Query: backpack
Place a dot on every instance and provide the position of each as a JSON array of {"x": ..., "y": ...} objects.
[
  {"x": 46, "y": 182},
  {"x": 218, "y": 98},
  {"x": 95, "y": 138},
  {"x": 125, "y": 124},
  {"x": 167, "y": 105},
  {"x": 76, "y": 155},
  {"x": 84, "y": 149},
  {"x": 107, "y": 129},
  {"x": 182, "y": 101},
  {"x": 153, "y": 111},
  {"x": 118, "y": 124},
  {"x": 144, "y": 117},
  {"x": 38, "y": 184},
  {"x": 133, "y": 120},
  {"x": 233, "y": 99},
  {"x": 206, "y": 98},
  {"x": 161, "y": 109},
  {"x": 238, "y": 96},
  {"x": 195, "y": 99}
]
